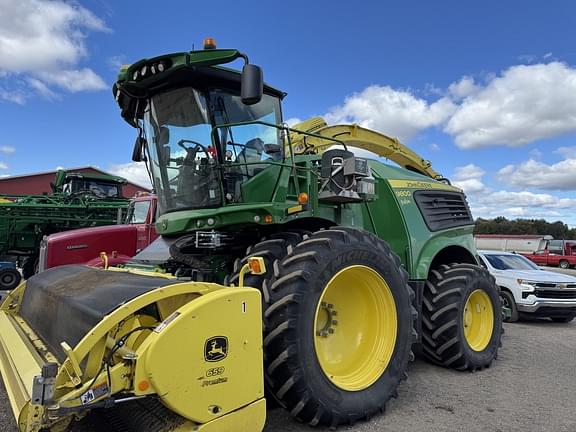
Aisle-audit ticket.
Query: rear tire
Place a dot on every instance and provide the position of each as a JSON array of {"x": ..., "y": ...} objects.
[
  {"x": 327, "y": 288},
  {"x": 9, "y": 279},
  {"x": 564, "y": 264},
  {"x": 461, "y": 317},
  {"x": 507, "y": 300},
  {"x": 563, "y": 320}
]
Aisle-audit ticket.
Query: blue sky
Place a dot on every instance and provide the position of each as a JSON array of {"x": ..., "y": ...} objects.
[{"x": 486, "y": 90}]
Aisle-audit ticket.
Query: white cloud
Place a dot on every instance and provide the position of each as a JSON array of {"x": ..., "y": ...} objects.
[
  {"x": 434, "y": 147},
  {"x": 75, "y": 80},
  {"x": 528, "y": 199},
  {"x": 468, "y": 171},
  {"x": 43, "y": 41},
  {"x": 7, "y": 149},
  {"x": 469, "y": 179},
  {"x": 463, "y": 88},
  {"x": 522, "y": 204},
  {"x": 293, "y": 121},
  {"x": 394, "y": 112},
  {"x": 15, "y": 96},
  {"x": 535, "y": 154},
  {"x": 470, "y": 186},
  {"x": 567, "y": 152},
  {"x": 3, "y": 165},
  {"x": 133, "y": 171},
  {"x": 43, "y": 35},
  {"x": 42, "y": 89},
  {"x": 522, "y": 105},
  {"x": 484, "y": 202},
  {"x": 536, "y": 174}
]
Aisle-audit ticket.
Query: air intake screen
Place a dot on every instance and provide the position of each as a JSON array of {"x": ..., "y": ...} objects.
[{"x": 443, "y": 209}]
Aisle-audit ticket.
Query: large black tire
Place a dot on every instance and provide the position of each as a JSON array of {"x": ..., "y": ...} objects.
[
  {"x": 272, "y": 248},
  {"x": 445, "y": 295},
  {"x": 293, "y": 371},
  {"x": 564, "y": 264},
  {"x": 563, "y": 320},
  {"x": 9, "y": 279},
  {"x": 507, "y": 300}
]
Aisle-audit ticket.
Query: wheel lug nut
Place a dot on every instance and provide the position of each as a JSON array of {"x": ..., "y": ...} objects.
[
  {"x": 330, "y": 305},
  {"x": 333, "y": 312},
  {"x": 331, "y": 330},
  {"x": 334, "y": 322}
]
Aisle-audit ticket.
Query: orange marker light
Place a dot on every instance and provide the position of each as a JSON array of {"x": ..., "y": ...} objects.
[
  {"x": 143, "y": 385},
  {"x": 268, "y": 219},
  {"x": 209, "y": 43},
  {"x": 257, "y": 265},
  {"x": 303, "y": 198}
]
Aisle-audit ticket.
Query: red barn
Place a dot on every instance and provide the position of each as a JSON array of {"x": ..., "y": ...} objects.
[{"x": 39, "y": 183}]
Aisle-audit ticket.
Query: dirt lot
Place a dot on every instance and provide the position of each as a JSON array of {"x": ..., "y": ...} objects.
[{"x": 532, "y": 387}]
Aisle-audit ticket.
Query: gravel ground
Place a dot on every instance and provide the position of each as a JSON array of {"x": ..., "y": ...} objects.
[{"x": 531, "y": 387}]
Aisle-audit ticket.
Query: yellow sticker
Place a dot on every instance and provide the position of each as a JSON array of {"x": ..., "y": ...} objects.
[{"x": 418, "y": 184}]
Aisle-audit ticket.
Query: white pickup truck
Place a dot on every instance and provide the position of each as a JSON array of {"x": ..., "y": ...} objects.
[{"x": 527, "y": 289}]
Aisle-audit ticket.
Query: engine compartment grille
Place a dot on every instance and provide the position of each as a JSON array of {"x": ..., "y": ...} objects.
[{"x": 443, "y": 209}]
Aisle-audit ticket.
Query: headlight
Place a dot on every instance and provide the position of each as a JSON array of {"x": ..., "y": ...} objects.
[{"x": 525, "y": 282}]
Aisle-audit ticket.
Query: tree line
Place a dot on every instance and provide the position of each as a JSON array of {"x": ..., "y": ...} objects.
[{"x": 501, "y": 225}]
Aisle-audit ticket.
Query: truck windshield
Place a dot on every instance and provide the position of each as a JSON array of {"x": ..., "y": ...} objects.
[
  {"x": 138, "y": 212},
  {"x": 510, "y": 262},
  {"x": 190, "y": 170}
]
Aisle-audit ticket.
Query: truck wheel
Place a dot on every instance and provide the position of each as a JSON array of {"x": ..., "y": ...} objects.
[
  {"x": 563, "y": 320},
  {"x": 564, "y": 264},
  {"x": 339, "y": 327},
  {"x": 507, "y": 300},
  {"x": 9, "y": 279},
  {"x": 461, "y": 317}
]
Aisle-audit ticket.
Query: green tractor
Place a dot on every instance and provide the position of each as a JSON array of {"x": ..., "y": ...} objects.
[
  {"x": 356, "y": 264},
  {"x": 365, "y": 259}
]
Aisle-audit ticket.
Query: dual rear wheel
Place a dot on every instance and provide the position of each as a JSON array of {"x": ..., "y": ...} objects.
[{"x": 339, "y": 323}]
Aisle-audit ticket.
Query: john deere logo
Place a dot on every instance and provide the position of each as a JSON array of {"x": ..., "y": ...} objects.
[{"x": 216, "y": 349}]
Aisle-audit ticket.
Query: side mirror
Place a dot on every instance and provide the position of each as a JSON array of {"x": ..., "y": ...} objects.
[
  {"x": 252, "y": 84},
  {"x": 138, "y": 152}
]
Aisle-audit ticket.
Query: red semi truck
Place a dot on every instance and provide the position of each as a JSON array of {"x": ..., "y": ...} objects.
[
  {"x": 119, "y": 242},
  {"x": 558, "y": 253}
]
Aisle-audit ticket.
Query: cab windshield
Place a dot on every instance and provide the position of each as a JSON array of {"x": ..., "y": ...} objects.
[{"x": 191, "y": 166}]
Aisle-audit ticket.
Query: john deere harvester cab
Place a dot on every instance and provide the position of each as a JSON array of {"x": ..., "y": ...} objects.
[
  {"x": 99, "y": 185},
  {"x": 353, "y": 261}
]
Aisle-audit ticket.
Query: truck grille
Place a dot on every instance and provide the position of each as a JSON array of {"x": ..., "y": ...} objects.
[
  {"x": 443, "y": 209},
  {"x": 551, "y": 293},
  {"x": 555, "y": 294}
]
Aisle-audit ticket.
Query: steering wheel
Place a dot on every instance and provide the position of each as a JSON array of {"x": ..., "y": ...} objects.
[{"x": 196, "y": 143}]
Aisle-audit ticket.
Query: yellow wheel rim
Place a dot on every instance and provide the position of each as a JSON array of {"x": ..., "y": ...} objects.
[
  {"x": 478, "y": 320},
  {"x": 355, "y": 328}
]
